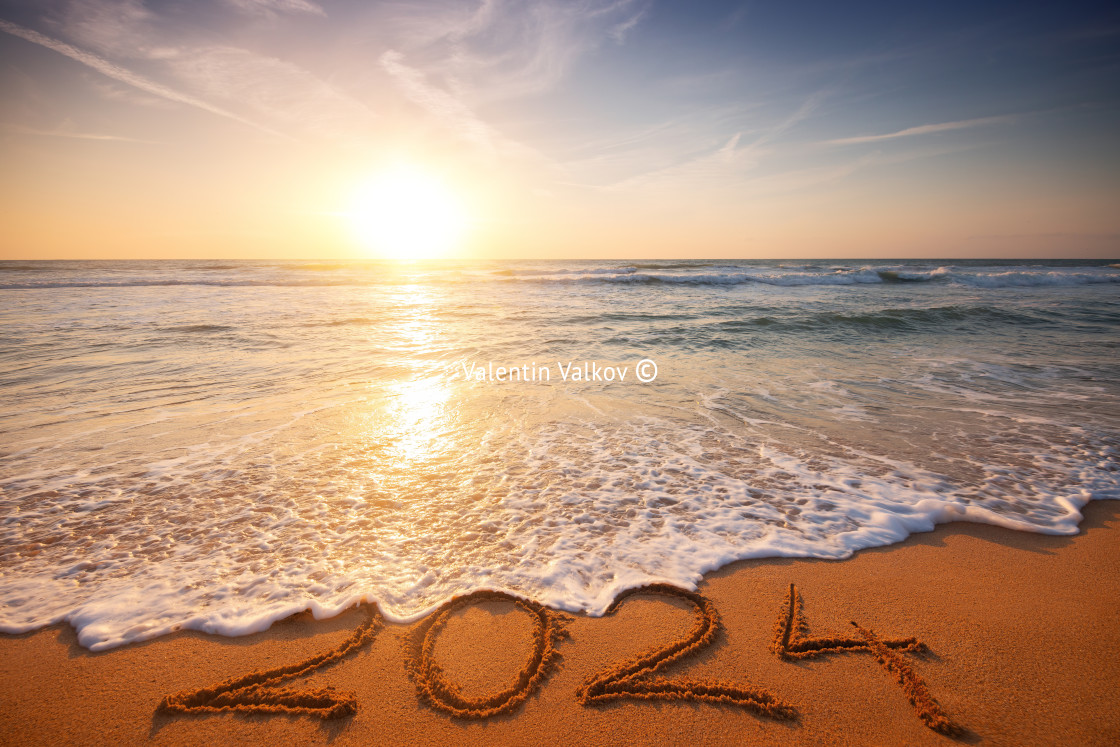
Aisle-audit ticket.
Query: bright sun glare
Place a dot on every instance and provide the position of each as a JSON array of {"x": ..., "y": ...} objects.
[{"x": 406, "y": 213}]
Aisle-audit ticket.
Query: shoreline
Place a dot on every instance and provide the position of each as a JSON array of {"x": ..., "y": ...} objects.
[{"x": 1020, "y": 627}]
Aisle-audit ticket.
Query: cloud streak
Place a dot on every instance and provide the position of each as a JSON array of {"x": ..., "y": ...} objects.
[
  {"x": 728, "y": 163},
  {"x": 279, "y": 6},
  {"x": 619, "y": 32},
  {"x": 275, "y": 90},
  {"x": 922, "y": 130},
  {"x": 124, "y": 75},
  {"x": 504, "y": 50},
  {"x": 63, "y": 133},
  {"x": 445, "y": 106}
]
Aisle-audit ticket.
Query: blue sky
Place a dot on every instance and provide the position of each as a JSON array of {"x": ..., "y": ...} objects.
[{"x": 625, "y": 128}]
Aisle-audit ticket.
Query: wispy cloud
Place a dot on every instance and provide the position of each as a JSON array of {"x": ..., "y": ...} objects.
[
  {"x": 116, "y": 29},
  {"x": 711, "y": 166},
  {"x": 124, "y": 75},
  {"x": 66, "y": 132},
  {"x": 452, "y": 60},
  {"x": 803, "y": 112},
  {"x": 504, "y": 50},
  {"x": 619, "y": 32},
  {"x": 113, "y": 91},
  {"x": 922, "y": 130},
  {"x": 444, "y": 105},
  {"x": 698, "y": 158},
  {"x": 276, "y": 90},
  {"x": 269, "y": 93},
  {"x": 817, "y": 175},
  {"x": 279, "y": 6},
  {"x": 751, "y": 171},
  {"x": 1059, "y": 235}
]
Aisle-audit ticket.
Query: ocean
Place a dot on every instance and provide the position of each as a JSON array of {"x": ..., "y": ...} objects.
[{"x": 215, "y": 445}]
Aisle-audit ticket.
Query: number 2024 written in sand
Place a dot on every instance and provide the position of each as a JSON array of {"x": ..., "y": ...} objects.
[{"x": 637, "y": 678}]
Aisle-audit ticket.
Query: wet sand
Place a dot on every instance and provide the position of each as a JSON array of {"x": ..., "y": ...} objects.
[{"x": 1021, "y": 628}]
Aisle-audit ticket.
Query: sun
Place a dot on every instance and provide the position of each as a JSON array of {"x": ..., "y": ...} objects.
[{"x": 406, "y": 213}]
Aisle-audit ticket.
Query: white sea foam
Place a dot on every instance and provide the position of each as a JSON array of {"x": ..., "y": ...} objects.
[
  {"x": 218, "y": 459},
  {"x": 591, "y": 511}
]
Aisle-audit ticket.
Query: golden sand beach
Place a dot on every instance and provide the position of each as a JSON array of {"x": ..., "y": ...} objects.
[{"x": 1021, "y": 631}]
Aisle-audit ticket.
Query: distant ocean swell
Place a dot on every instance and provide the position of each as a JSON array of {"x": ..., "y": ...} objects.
[
  {"x": 852, "y": 277},
  {"x": 699, "y": 274}
]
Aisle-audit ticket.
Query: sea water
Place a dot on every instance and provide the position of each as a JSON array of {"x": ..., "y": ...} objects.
[{"x": 217, "y": 445}]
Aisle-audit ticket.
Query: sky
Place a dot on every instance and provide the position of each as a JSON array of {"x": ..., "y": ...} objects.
[{"x": 574, "y": 128}]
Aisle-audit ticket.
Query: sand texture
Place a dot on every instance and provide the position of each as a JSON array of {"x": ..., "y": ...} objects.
[{"x": 968, "y": 634}]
